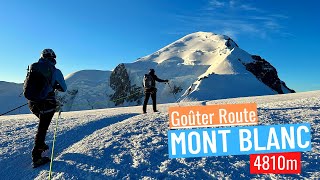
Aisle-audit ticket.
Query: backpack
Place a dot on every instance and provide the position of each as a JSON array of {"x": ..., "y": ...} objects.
[
  {"x": 38, "y": 81},
  {"x": 148, "y": 81}
]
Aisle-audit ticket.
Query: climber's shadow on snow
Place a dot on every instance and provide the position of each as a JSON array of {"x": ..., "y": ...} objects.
[{"x": 75, "y": 135}]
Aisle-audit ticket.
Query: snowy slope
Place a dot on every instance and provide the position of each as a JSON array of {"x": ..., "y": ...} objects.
[
  {"x": 120, "y": 143},
  {"x": 221, "y": 86},
  {"x": 11, "y": 97},
  {"x": 87, "y": 89}
]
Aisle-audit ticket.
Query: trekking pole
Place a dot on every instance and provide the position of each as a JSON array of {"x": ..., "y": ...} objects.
[
  {"x": 54, "y": 139},
  {"x": 13, "y": 109},
  {"x": 173, "y": 94}
]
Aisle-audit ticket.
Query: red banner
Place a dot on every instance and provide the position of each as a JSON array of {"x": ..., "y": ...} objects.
[{"x": 276, "y": 163}]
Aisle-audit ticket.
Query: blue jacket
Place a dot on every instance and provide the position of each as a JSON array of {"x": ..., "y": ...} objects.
[{"x": 57, "y": 81}]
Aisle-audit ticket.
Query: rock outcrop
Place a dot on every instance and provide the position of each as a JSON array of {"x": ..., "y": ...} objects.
[
  {"x": 123, "y": 90},
  {"x": 266, "y": 73}
]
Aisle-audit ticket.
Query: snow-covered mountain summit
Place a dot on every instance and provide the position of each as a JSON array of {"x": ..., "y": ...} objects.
[
  {"x": 199, "y": 48},
  {"x": 199, "y": 66},
  {"x": 205, "y": 65}
]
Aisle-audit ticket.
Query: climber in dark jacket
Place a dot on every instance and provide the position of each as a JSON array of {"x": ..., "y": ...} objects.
[
  {"x": 149, "y": 84},
  {"x": 46, "y": 108}
]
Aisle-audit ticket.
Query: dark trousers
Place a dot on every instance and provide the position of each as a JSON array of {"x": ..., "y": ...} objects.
[
  {"x": 44, "y": 111},
  {"x": 153, "y": 95}
]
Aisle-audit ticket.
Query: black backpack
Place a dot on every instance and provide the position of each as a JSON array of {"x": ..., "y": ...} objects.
[
  {"x": 147, "y": 81},
  {"x": 38, "y": 81}
]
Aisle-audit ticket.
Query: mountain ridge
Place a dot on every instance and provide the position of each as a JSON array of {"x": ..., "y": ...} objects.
[{"x": 200, "y": 66}]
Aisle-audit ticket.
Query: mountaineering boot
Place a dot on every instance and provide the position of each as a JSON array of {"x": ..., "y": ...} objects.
[
  {"x": 41, "y": 161},
  {"x": 40, "y": 148},
  {"x": 43, "y": 147},
  {"x": 37, "y": 151}
]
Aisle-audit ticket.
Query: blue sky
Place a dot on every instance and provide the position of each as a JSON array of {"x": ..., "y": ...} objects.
[{"x": 102, "y": 34}]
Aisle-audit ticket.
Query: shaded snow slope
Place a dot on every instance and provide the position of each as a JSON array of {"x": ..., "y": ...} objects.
[
  {"x": 221, "y": 86},
  {"x": 120, "y": 143},
  {"x": 10, "y": 98},
  {"x": 91, "y": 76},
  {"x": 87, "y": 89}
]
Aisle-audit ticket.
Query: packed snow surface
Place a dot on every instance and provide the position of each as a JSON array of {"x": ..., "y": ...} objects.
[{"x": 122, "y": 143}]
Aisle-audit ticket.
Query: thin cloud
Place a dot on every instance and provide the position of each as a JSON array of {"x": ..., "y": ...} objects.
[
  {"x": 230, "y": 32},
  {"x": 216, "y": 3},
  {"x": 272, "y": 25},
  {"x": 233, "y": 18},
  {"x": 279, "y": 16},
  {"x": 263, "y": 18},
  {"x": 248, "y": 7},
  {"x": 232, "y": 3}
]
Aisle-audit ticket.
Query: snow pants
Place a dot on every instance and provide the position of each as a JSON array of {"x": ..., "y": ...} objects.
[
  {"x": 153, "y": 95},
  {"x": 44, "y": 111}
]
